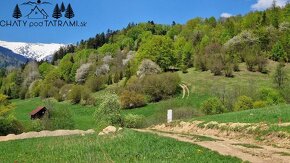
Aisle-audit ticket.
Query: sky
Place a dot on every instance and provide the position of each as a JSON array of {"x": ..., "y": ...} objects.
[{"x": 101, "y": 15}]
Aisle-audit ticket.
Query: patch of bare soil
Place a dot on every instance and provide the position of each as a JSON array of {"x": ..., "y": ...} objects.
[
  {"x": 224, "y": 146},
  {"x": 240, "y": 131},
  {"x": 45, "y": 134}
]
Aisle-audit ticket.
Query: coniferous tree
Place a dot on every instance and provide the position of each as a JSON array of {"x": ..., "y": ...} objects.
[
  {"x": 264, "y": 19},
  {"x": 69, "y": 12},
  {"x": 62, "y": 7},
  {"x": 275, "y": 15},
  {"x": 17, "y": 13},
  {"x": 56, "y": 12}
]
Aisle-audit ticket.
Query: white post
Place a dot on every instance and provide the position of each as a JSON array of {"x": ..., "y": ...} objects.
[{"x": 169, "y": 116}]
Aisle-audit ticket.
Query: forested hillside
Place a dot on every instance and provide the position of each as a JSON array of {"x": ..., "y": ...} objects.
[
  {"x": 145, "y": 56},
  {"x": 9, "y": 58}
]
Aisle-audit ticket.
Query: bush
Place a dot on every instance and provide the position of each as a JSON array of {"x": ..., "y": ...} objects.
[
  {"x": 75, "y": 94},
  {"x": 87, "y": 98},
  {"x": 216, "y": 64},
  {"x": 60, "y": 118},
  {"x": 271, "y": 96},
  {"x": 133, "y": 121},
  {"x": 259, "y": 104},
  {"x": 244, "y": 103},
  {"x": 10, "y": 125},
  {"x": 212, "y": 106},
  {"x": 108, "y": 112},
  {"x": 131, "y": 99},
  {"x": 95, "y": 84},
  {"x": 35, "y": 125},
  {"x": 162, "y": 86},
  {"x": 229, "y": 70},
  {"x": 64, "y": 91},
  {"x": 285, "y": 92},
  {"x": 148, "y": 67},
  {"x": 251, "y": 62},
  {"x": 48, "y": 90}
]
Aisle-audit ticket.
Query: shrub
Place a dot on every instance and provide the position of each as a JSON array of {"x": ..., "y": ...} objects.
[
  {"x": 131, "y": 99},
  {"x": 251, "y": 62},
  {"x": 8, "y": 123},
  {"x": 212, "y": 106},
  {"x": 133, "y": 121},
  {"x": 285, "y": 92},
  {"x": 216, "y": 64},
  {"x": 244, "y": 103},
  {"x": 35, "y": 125},
  {"x": 262, "y": 64},
  {"x": 87, "y": 98},
  {"x": 95, "y": 84},
  {"x": 58, "y": 118},
  {"x": 48, "y": 90},
  {"x": 108, "y": 112},
  {"x": 271, "y": 96},
  {"x": 64, "y": 91},
  {"x": 200, "y": 62},
  {"x": 75, "y": 95},
  {"x": 259, "y": 104},
  {"x": 278, "y": 53},
  {"x": 280, "y": 75},
  {"x": 148, "y": 67},
  {"x": 162, "y": 86},
  {"x": 229, "y": 70}
]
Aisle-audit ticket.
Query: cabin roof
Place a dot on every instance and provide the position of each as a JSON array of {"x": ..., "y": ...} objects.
[{"x": 38, "y": 109}]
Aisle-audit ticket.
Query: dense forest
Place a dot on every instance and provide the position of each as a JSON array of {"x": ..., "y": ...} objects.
[{"x": 145, "y": 55}]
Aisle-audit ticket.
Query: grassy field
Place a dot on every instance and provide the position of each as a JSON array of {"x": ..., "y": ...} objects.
[
  {"x": 205, "y": 82},
  {"x": 127, "y": 146},
  {"x": 268, "y": 115}
]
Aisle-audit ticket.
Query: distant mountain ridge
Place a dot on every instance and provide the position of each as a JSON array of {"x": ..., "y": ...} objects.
[
  {"x": 35, "y": 51},
  {"x": 9, "y": 58}
]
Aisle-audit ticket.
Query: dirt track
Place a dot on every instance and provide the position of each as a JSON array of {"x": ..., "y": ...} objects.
[
  {"x": 45, "y": 134},
  {"x": 229, "y": 147}
]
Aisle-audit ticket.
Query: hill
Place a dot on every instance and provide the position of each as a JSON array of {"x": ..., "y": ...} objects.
[{"x": 9, "y": 58}]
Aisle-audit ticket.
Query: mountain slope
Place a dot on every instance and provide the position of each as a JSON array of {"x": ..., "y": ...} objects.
[
  {"x": 36, "y": 51},
  {"x": 9, "y": 58}
]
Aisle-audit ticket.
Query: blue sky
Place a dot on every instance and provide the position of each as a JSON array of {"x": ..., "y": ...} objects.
[{"x": 101, "y": 15}]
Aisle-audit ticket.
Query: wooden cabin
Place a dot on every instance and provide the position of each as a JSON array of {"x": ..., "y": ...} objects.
[{"x": 38, "y": 113}]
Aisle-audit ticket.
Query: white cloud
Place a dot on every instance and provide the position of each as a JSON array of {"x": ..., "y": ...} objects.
[
  {"x": 264, "y": 4},
  {"x": 226, "y": 15}
]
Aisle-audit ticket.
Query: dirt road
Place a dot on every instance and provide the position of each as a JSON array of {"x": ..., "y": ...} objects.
[
  {"x": 45, "y": 134},
  {"x": 247, "y": 152}
]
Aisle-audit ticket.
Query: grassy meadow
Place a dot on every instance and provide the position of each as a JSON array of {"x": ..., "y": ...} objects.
[{"x": 127, "y": 146}]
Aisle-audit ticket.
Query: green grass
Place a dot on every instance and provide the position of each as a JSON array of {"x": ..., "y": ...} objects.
[
  {"x": 127, "y": 146},
  {"x": 268, "y": 115},
  {"x": 283, "y": 153},
  {"x": 249, "y": 146},
  {"x": 182, "y": 108},
  {"x": 82, "y": 116},
  {"x": 205, "y": 82},
  {"x": 197, "y": 138}
]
